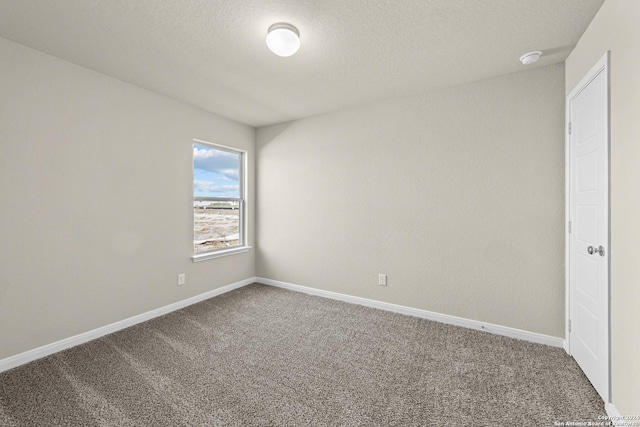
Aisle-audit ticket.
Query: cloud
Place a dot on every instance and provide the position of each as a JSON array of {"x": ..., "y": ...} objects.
[
  {"x": 210, "y": 187},
  {"x": 217, "y": 161}
]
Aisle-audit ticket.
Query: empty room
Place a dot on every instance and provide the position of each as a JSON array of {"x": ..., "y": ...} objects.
[{"x": 319, "y": 213}]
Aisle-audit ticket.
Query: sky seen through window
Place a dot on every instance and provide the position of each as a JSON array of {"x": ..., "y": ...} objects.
[{"x": 216, "y": 172}]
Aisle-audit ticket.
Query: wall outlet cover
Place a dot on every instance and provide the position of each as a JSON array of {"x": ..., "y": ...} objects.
[{"x": 382, "y": 279}]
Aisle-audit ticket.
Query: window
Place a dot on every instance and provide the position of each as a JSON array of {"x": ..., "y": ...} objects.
[{"x": 218, "y": 201}]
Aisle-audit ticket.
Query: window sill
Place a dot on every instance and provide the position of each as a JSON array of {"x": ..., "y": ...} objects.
[{"x": 219, "y": 254}]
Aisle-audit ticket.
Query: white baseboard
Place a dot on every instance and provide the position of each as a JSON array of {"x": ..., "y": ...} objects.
[
  {"x": 46, "y": 350},
  {"x": 429, "y": 315},
  {"x": 616, "y": 418}
]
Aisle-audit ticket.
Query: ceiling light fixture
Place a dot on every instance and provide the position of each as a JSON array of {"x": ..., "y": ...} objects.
[
  {"x": 531, "y": 57},
  {"x": 283, "y": 39}
]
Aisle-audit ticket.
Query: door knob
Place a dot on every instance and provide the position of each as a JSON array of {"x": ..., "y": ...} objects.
[{"x": 599, "y": 250}]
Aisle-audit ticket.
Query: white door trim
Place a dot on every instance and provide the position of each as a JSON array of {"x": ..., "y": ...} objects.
[{"x": 602, "y": 66}]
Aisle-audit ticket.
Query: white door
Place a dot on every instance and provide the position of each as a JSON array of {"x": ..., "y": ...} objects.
[{"x": 588, "y": 107}]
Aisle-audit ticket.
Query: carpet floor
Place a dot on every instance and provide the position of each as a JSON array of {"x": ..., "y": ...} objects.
[{"x": 263, "y": 356}]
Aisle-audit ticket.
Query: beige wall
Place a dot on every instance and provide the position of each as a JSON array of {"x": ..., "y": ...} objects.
[
  {"x": 96, "y": 192},
  {"x": 457, "y": 195},
  {"x": 617, "y": 28}
]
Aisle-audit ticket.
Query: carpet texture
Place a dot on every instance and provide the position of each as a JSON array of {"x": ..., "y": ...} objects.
[{"x": 263, "y": 356}]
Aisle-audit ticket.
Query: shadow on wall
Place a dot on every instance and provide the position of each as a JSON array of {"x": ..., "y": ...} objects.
[{"x": 269, "y": 133}]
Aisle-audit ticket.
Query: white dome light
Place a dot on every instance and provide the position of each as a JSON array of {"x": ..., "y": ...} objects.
[
  {"x": 283, "y": 39},
  {"x": 531, "y": 57}
]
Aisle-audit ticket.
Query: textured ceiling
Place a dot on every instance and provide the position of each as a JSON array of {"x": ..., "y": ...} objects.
[{"x": 212, "y": 53}]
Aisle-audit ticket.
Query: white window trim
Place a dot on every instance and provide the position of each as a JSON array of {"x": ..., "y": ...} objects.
[
  {"x": 204, "y": 256},
  {"x": 219, "y": 253}
]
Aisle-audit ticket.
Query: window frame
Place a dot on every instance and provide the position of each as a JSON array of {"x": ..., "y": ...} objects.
[{"x": 241, "y": 200}]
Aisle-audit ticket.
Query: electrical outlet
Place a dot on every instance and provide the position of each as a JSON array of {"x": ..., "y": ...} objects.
[
  {"x": 382, "y": 279},
  {"x": 181, "y": 279}
]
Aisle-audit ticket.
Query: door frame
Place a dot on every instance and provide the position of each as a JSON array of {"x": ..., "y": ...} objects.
[{"x": 603, "y": 65}]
